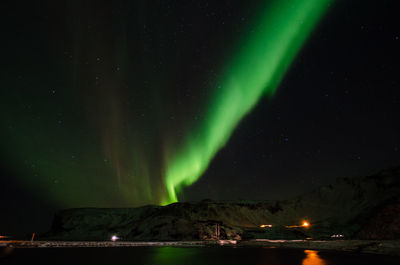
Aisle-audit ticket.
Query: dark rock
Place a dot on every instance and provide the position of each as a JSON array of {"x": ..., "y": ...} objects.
[
  {"x": 366, "y": 207},
  {"x": 384, "y": 225}
]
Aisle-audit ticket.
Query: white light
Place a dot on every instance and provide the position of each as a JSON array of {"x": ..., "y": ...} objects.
[{"x": 114, "y": 238}]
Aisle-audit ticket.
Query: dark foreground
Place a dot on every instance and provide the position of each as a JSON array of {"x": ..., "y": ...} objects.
[{"x": 187, "y": 255}]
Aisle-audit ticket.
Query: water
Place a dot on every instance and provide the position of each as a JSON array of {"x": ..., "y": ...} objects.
[{"x": 187, "y": 256}]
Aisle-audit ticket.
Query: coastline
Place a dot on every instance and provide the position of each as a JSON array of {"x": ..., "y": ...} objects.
[{"x": 384, "y": 247}]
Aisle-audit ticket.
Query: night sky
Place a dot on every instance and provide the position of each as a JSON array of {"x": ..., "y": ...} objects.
[{"x": 127, "y": 103}]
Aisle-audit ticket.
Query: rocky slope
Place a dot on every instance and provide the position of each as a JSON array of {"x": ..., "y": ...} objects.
[{"x": 362, "y": 207}]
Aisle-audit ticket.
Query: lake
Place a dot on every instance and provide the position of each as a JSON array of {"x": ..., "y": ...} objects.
[{"x": 187, "y": 255}]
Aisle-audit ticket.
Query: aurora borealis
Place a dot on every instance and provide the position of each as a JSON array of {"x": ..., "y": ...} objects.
[
  {"x": 256, "y": 69},
  {"x": 118, "y": 152},
  {"x": 129, "y": 103}
]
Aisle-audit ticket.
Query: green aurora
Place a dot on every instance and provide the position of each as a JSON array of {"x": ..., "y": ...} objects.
[
  {"x": 93, "y": 123},
  {"x": 257, "y": 68}
]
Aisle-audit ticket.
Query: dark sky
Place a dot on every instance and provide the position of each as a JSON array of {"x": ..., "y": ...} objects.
[{"x": 94, "y": 92}]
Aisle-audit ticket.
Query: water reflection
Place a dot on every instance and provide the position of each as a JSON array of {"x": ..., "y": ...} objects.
[
  {"x": 172, "y": 255},
  {"x": 312, "y": 258},
  {"x": 5, "y": 251},
  {"x": 187, "y": 256}
]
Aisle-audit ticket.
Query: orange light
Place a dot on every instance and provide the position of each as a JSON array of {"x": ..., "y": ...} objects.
[
  {"x": 312, "y": 258},
  {"x": 262, "y": 226},
  {"x": 303, "y": 224}
]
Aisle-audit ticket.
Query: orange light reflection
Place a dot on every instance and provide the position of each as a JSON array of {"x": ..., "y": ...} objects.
[{"x": 312, "y": 258}]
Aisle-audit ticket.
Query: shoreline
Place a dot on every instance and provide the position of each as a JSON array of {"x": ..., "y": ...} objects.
[{"x": 384, "y": 247}]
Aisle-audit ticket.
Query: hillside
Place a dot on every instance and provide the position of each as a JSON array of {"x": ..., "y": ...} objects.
[{"x": 361, "y": 207}]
